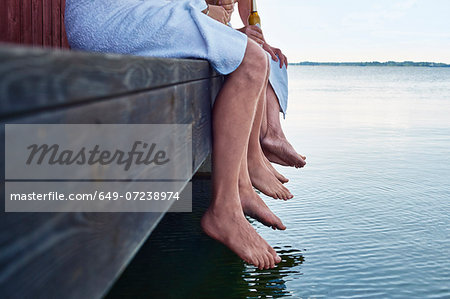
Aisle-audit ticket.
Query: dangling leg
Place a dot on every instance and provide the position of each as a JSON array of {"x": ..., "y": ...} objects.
[
  {"x": 233, "y": 116},
  {"x": 269, "y": 165},
  {"x": 273, "y": 141},
  {"x": 252, "y": 204},
  {"x": 260, "y": 174}
]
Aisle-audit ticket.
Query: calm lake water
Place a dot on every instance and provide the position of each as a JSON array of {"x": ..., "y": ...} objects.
[{"x": 370, "y": 217}]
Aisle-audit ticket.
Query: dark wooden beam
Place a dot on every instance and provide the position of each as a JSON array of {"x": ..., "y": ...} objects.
[
  {"x": 80, "y": 255},
  {"x": 32, "y": 79}
]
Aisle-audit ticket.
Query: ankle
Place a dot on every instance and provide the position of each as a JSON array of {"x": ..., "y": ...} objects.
[
  {"x": 273, "y": 134},
  {"x": 225, "y": 204},
  {"x": 254, "y": 163},
  {"x": 244, "y": 183},
  {"x": 245, "y": 190}
]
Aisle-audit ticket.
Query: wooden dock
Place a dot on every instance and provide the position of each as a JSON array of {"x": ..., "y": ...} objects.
[{"x": 80, "y": 255}]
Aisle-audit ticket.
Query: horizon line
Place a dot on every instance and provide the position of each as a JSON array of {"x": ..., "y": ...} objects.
[
  {"x": 376, "y": 61},
  {"x": 406, "y": 62}
]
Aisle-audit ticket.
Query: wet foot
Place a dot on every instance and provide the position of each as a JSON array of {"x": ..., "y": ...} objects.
[
  {"x": 280, "y": 151},
  {"x": 232, "y": 229},
  {"x": 263, "y": 179},
  {"x": 253, "y": 206}
]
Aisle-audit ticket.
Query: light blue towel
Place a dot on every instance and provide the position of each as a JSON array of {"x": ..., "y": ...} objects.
[
  {"x": 159, "y": 28},
  {"x": 279, "y": 80}
]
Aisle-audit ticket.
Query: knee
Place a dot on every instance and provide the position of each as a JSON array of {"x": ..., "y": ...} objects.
[{"x": 255, "y": 63}]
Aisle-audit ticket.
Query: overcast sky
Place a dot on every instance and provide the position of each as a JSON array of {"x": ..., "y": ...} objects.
[{"x": 357, "y": 30}]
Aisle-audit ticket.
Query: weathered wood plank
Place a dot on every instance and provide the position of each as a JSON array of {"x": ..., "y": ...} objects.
[
  {"x": 56, "y": 23},
  {"x": 26, "y": 23},
  {"x": 64, "y": 41},
  {"x": 36, "y": 11},
  {"x": 47, "y": 23},
  {"x": 4, "y": 20},
  {"x": 13, "y": 19},
  {"x": 33, "y": 22},
  {"x": 68, "y": 255},
  {"x": 81, "y": 254},
  {"x": 188, "y": 103},
  {"x": 32, "y": 79}
]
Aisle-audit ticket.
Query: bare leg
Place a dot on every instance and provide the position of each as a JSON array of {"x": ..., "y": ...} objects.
[
  {"x": 252, "y": 204},
  {"x": 260, "y": 174},
  {"x": 273, "y": 141},
  {"x": 233, "y": 115},
  {"x": 272, "y": 169},
  {"x": 269, "y": 165}
]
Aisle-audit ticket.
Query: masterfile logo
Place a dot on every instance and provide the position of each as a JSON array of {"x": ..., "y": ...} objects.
[
  {"x": 98, "y": 168},
  {"x": 98, "y": 151},
  {"x": 141, "y": 153}
]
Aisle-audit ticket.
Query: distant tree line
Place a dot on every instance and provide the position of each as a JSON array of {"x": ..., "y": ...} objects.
[{"x": 375, "y": 63}]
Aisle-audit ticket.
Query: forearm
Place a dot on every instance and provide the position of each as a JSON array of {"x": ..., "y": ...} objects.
[{"x": 244, "y": 10}]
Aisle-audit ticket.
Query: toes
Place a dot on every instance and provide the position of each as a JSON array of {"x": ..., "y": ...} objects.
[
  {"x": 250, "y": 261},
  {"x": 271, "y": 261},
  {"x": 271, "y": 193},
  {"x": 279, "y": 192},
  {"x": 255, "y": 262},
  {"x": 267, "y": 262},
  {"x": 282, "y": 196},
  {"x": 289, "y": 194},
  {"x": 277, "y": 259},
  {"x": 279, "y": 195},
  {"x": 274, "y": 254},
  {"x": 251, "y": 258},
  {"x": 259, "y": 262},
  {"x": 279, "y": 176},
  {"x": 271, "y": 250},
  {"x": 301, "y": 161},
  {"x": 280, "y": 224},
  {"x": 282, "y": 179},
  {"x": 286, "y": 194},
  {"x": 274, "y": 195}
]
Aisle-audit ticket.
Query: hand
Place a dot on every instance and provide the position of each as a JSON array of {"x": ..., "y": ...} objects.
[
  {"x": 227, "y": 4},
  {"x": 274, "y": 52},
  {"x": 219, "y": 14},
  {"x": 254, "y": 32}
]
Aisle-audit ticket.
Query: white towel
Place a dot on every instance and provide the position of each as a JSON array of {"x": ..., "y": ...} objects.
[{"x": 176, "y": 29}]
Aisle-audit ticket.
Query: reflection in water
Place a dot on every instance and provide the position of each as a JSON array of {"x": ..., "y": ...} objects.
[
  {"x": 370, "y": 212},
  {"x": 179, "y": 261},
  {"x": 272, "y": 283}
]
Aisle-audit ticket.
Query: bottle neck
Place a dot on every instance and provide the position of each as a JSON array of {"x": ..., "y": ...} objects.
[{"x": 253, "y": 7}]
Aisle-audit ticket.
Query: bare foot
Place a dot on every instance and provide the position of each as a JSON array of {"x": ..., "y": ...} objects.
[
  {"x": 255, "y": 207},
  {"x": 263, "y": 179},
  {"x": 278, "y": 175},
  {"x": 280, "y": 151},
  {"x": 232, "y": 229}
]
